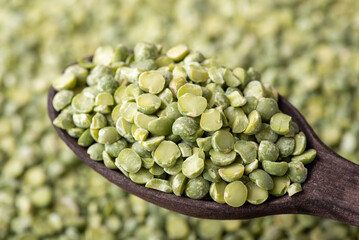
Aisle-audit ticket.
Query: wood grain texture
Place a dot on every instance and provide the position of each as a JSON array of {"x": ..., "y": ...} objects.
[{"x": 331, "y": 189}]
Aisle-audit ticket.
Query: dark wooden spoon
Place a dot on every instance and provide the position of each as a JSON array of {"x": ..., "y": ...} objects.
[{"x": 331, "y": 189}]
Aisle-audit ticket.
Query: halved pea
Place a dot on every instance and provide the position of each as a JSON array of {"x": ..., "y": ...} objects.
[
  {"x": 198, "y": 152},
  {"x": 236, "y": 99},
  {"x": 255, "y": 89},
  {"x": 120, "y": 94},
  {"x": 108, "y": 161},
  {"x": 254, "y": 124},
  {"x": 176, "y": 83},
  {"x": 275, "y": 168},
  {"x": 210, "y": 172},
  {"x": 166, "y": 154},
  {"x": 237, "y": 119},
  {"x": 128, "y": 110},
  {"x": 104, "y": 99},
  {"x": 147, "y": 162},
  {"x": 230, "y": 79},
  {"x": 256, "y": 195},
  {"x": 267, "y": 107},
  {"x": 148, "y": 103},
  {"x": 98, "y": 121},
  {"x": 179, "y": 184},
  {"x": 262, "y": 179},
  {"x": 251, "y": 104},
  {"x": 124, "y": 128},
  {"x": 160, "y": 126},
  {"x": 216, "y": 191},
  {"x": 268, "y": 151},
  {"x": 175, "y": 169},
  {"x": 152, "y": 82},
  {"x": 139, "y": 134},
  {"x": 177, "y": 53},
  {"x": 193, "y": 166},
  {"x": 297, "y": 172},
  {"x": 85, "y": 139},
  {"x": 223, "y": 141},
  {"x": 211, "y": 120},
  {"x": 280, "y": 186},
  {"x": 286, "y": 146},
  {"x": 266, "y": 133},
  {"x": 166, "y": 97},
  {"x": 64, "y": 121},
  {"x": 83, "y": 103},
  {"x": 215, "y": 75},
  {"x": 241, "y": 74},
  {"x": 141, "y": 177},
  {"x": 129, "y": 160},
  {"x": 156, "y": 170},
  {"x": 247, "y": 150},
  {"x": 186, "y": 106},
  {"x": 196, "y": 72},
  {"x": 163, "y": 61},
  {"x": 222, "y": 159},
  {"x": 115, "y": 148},
  {"x": 251, "y": 167},
  {"x": 280, "y": 123},
  {"x": 75, "y": 132},
  {"x": 204, "y": 143},
  {"x": 232, "y": 172},
  {"x": 186, "y": 150},
  {"x": 160, "y": 185},
  {"x": 294, "y": 188},
  {"x": 108, "y": 135},
  {"x": 300, "y": 143},
  {"x": 235, "y": 194},
  {"x": 220, "y": 100},
  {"x": 62, "y": 99},
  {"x": 151, "y": 143},
  {"x": 65, "y": 81},
  {"x": 142, "y": 120},
  {"x": 306, "y": 157},
  {"x": 95, "y": 151},
  {"x": 197, "y": 188}
]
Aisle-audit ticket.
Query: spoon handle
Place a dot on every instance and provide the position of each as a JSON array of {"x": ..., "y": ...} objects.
[{"x": 333, "y": 188}]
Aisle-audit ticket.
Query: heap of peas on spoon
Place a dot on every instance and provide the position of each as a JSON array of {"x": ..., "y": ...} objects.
[{"x": 179, "y": 123}]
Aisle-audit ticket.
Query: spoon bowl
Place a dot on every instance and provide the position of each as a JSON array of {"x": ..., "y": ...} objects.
[{"x": 331, "y": 189}]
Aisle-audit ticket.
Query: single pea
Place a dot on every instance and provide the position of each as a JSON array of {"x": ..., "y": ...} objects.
[
  {"x": 306, "y": 157},
  {"x": 251, "y": 104},
  {"x": 83, "y": 103},
  {"x": 94, "y": 133},
  {"x": 120, "y": 94},
  {"x": 62, "y": 99},
  {"x": 108, "y": 161},
  {"x": 231, "y": 172},
  {"x": 120, "y": 54},
  {"x": 197, "y": 188},
  {"x": 98, "y": 121},
  {"x": 152, "y": 82},
  {"x": 148, "y": 103},
  {"x": 82, "y": 120},
  {"x": 241, "y": 74},
  {"x": 141, "y": 151},
  {"x": 166, "y": 154},
  {"x": 195, "y": 56},
  {"x": 163, "y": 61},
  {"x": 286, "y": 146},
  {"x": 251, "y": 167},
  {"x": 172, "y": 112},
  {"x": 237, "y": 119},
  {"x": 223, "y": 141},
  {"x": 160, "y": 126},
  {"x": 65, "y": 81},
  {"x": 176, "y": 83},
  {"x": 104, "y": 98},
  {"x": 179, "y": 72},
  {"x": 280, "y": 123},
  {"x": 275, "y": 168},
  {"x": 267, "y": 151},
  {"x": 247, "y": 150},
  {"x": 175, "y": 169},
  {"x": 294, "y": 188},
  {"x": 75, "y": 132},
  {"x": 133, "y": 91},
  {"x": 256, "y": 195},
  {"x": 280, "y": 186},
  {"x": 177, "y": 53},
  {"x": 85, "y": 139},
  {"x": 199, "y": 132},
  {"x": 267, "y": 107},
  {"x": 254, "y": 124},
  {"x": 128, "y": 110},
  {"x": 160, "y": 185},
  {"x": 220, "y": 100},
  {"x": 150, "y": 144},
  {"x": 166, "y": 97},
  {"x": 216, "y": 191},
  {"x": 300, "y": 143},
  {"x": 124, "y": 129},
  {"x": 95, "y": 151},
  {"x": 198, "y": 152},
  {"x": 297, "y": 172},
  {"x": 156, "y": 170},
  {"x": 230, "y": 79},
  {"x": 235, "y": 194},
  {"x": 64, "y": 121},
  {"x": 80, "y": 73},
  {"x": 186, "y": 150},
  {"x": 108, "y": 135},
  {"x": 179, "y": 184},
  {"x": 204, "y": 143},
  {"x": 185, "y": 126},
  {"x": 193, "y": 166},
  {"x": 236, "y": 98},
  {"x": 210, "y": 172},
  {"x": 103, "y": 55},
  {"x": 129, "y": 160},
  {"x": 147, "y": 162},
  {"x": 139, "y": 134},
  {"x": 255, "y": 89},
  {"x": 196, "y": 72},
  {"x": 211, "y": 120},
  {"x": 222, "y": 159},
  {"x": 115, "y": 148},
  {"x": 141, "y": 177},
  {"x": 215, "y": 75},
  {"x": 142, "y": 120},
  {"x": 145, "y": 50},
  {"x": 187, "y": 107},
  {"x": 262, "y": 179},
  {"x": 266, "y": 133}
]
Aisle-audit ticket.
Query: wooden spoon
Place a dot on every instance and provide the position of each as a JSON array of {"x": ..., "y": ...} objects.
[{"x": 331, "y": 189}]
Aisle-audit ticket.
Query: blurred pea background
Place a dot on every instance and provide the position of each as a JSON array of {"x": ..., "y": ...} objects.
[{"x": 309, "y": 50}]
